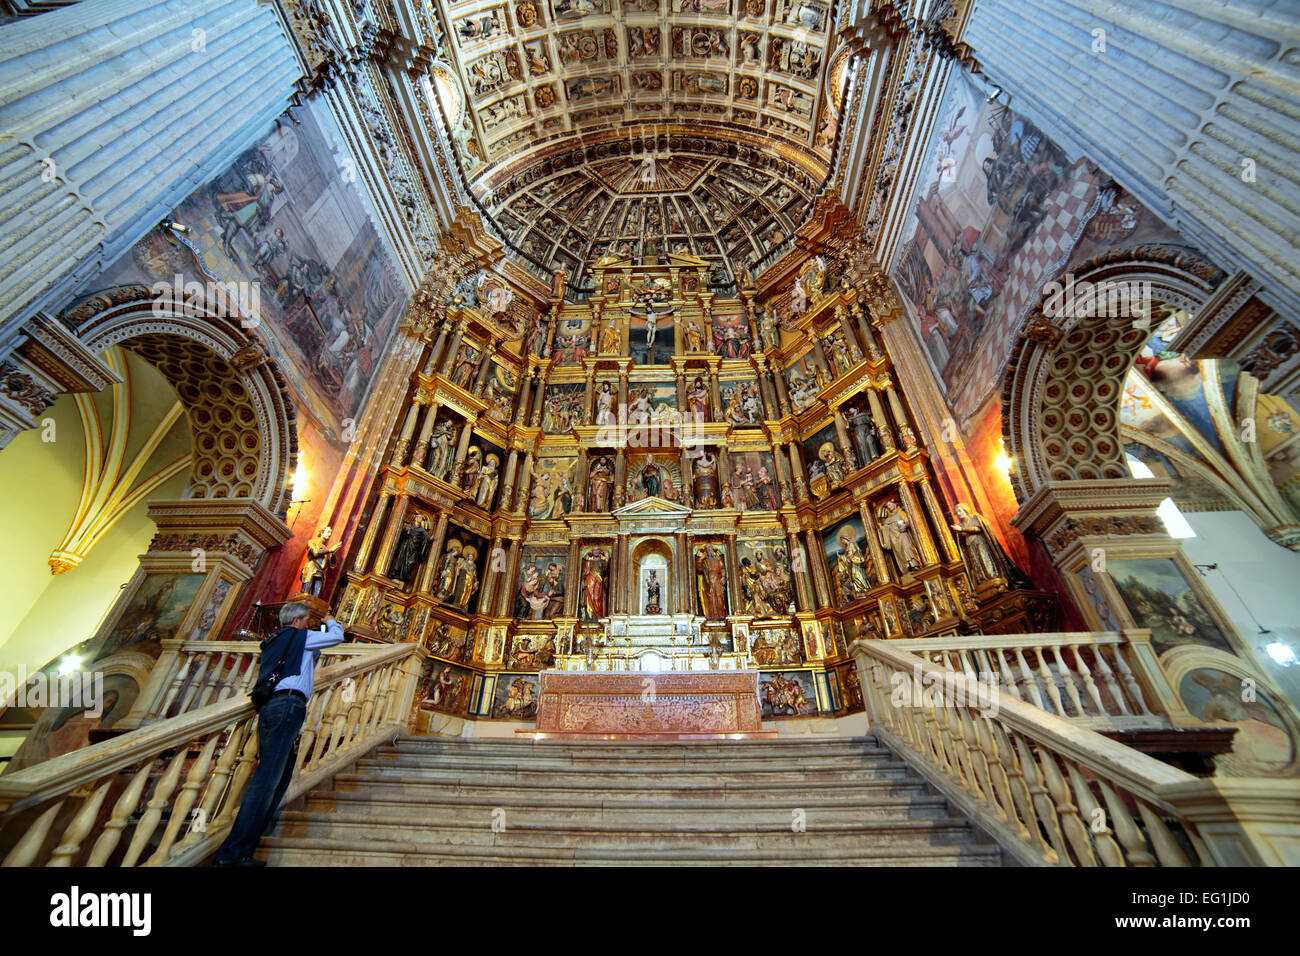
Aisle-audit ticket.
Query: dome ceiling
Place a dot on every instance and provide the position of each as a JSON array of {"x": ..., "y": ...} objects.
[{"x": 726, "y": 112}]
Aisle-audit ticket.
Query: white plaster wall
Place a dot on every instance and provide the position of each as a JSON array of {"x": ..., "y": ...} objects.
[{"x": 1265, "y": 575}]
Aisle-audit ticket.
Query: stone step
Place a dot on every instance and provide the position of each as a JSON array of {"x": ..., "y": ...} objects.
[
  {"x": 678, "y": 798},
  {"x": 675, "y": 750},
  {"x": 394, "y": 831},
  {"x": 686, "y": 770},
  {"x": 471, "y": 810},
  {"x": 281, "y": 851},
  {"x": 621, "y": 780}
]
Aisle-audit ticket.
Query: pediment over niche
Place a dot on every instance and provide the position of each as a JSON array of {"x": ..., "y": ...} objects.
[{"x": 653, "y": 507}]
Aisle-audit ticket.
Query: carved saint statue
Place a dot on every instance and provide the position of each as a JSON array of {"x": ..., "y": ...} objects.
[
  {"x": 698, "y": 397},
  {"x": 705, "y": 484},
  {"x": 463, "y": 370},
  {"x": 412, "y": 549},
  {"x": 985, "y": 557},
  {"x": 896, "y": 538},
  {"x": 694, "y": 338},
  {"x": 651, "y": 477},
  {"x": 609, "y": 339},
  {"x": 320, "y": 558},
  {"x": 652, "y": 594},
  {"x": 851, "y": 578},
  {"x": 473, "y": 465},
  {"x": 863, "y": 428},
  {"x": 605, "y": 400},
  {"x": 595, "y": 566},
  {"x": 599, "y": 483},
  {"x": 487, "y": 482},
  {"x": 711, "y": 581}
]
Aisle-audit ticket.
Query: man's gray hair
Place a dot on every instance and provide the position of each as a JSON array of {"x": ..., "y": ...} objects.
[{"x": 291, "y": 612}]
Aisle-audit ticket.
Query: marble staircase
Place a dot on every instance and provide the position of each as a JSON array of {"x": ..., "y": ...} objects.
[{"x": 454, "y": 801}]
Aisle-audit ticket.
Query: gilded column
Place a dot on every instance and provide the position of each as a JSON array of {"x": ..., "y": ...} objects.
[
  {"x": 453, "y": 347},
  {"x": 940, "y": 522},
  {"x": 426, "y": 432},
  {"x": 906, "y": 436},
  {"x": 715, "y": 393},
  {"x": 914, "y": 514},
  {"x": 885, "y": 433},
  {"x": 508, "y": 481},
  {"x": 391, "y": 532},
  {"x": 869, "y": 525},
  {"x": 462, "y": 449},
  {"x": 408, "y": 430},
  {"x": 539, "y": 396},
  {"x": 799, "y": 559},
  {"x": 484, "y": 366},
  {"x": 427, "y": 583},
  {"x": 620, "y": 478},
  {"x": 525, "y": 473},
  {"x": 622, "y": 396},
  {"x": 435, "y": 353},
  {"x": 798, "y": 472},
  {"x": 372, "y": 531},
  {"x": 782, "y": 393},
  {"x": 846, "y": 445},
  {"x": 589, "y": 401},
  {"x": 782, "y": 476},
  {"x": 822, "y": 586},
  {"x": 522, "y": 402}
]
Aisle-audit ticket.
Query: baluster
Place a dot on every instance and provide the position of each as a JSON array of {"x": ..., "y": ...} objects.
[
  {"x": 332, "y": 715},
  {"x": 1125, "y": 828},
  {"x": 1108, "y": 677},
  {"x": 1043, "y": 805},
  {"x": 975, "y": 757},
  {"x": 216, "y": 784},
  {"x": 1027, "y": 676},
  {"x": 1162, "y": 841},
  {"x": 1074, "y": 829},
  {"x": 185, "y": 800},
  {"x": 995, "y": 772},
  {"x": 310, "y": 731},
  {"x": 162, "y": 792},
  {"x": 196, "y": 684},
  {"x": 1004, "y": 670},
  {"x": 80, "y": 827},
  {"x": 1089, "y": 684},
  {"x": 243, "y": 771},
  {"x": 1049, "y": 682},
  {"x": 1019, "y": 792},
  {"x": 182, "y": 671},
  {"x": 107, "y": 841},
  {"x": 25, "y": 850},
  {"x": 366, "y": 696},
  {"x": 1068, "y": 679},
  {"x": 1130, "y": 682},
  {"x": 1106, "y": 846}
]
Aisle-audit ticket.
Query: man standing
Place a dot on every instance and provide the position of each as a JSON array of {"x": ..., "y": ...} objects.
[{"x": 278, "y": 724}]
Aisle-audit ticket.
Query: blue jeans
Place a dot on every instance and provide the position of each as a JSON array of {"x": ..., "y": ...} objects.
[{"x": 278, "y": 725}]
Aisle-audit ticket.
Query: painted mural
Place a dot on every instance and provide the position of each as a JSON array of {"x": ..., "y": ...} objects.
[
  {"x": 1262, "y": 742},
  {"x": 502, "y": 387},
  {"x": 284, "y": 219},
  {"x": 153, "y": 615},
  {"x": 1159, "y": 597},
  {"x": 775, "y": 646},
  {"x": 552, "y": 492},
  {"x": 564, "y": 407},
  {"x": 996, "y": 213}
]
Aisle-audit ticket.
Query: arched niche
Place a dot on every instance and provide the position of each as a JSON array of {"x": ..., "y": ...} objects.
[{"x": 653, "y": 554}]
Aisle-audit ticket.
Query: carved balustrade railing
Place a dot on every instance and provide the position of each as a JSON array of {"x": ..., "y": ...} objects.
[
  {"x": 166, "y": 794},
  {"x": 1099, "y": 679},
  {"x": 1054, "y": 793},
  {"x": 193, "y": 674}
]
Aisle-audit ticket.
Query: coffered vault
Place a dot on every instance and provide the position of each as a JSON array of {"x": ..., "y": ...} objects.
[{"x": 641, "y": 126}]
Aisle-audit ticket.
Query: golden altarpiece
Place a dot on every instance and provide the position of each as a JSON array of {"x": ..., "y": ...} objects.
[{"x": 661, "y": 478}]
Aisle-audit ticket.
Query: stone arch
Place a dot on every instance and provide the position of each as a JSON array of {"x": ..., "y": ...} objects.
[
  {"x": 240, "y": 411},
  {"x": 1064, "y": 382}
]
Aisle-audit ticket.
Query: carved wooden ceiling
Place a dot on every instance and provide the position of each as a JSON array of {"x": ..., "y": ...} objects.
[{"x": 670, "y": 125}]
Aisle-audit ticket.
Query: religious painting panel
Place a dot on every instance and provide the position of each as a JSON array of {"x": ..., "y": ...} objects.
[
  {"x": 775, "y": 646},
  {"x": 824, "y": 460},
  {"x": 153, "y": 614},
  {"x": 516, "y": 697},
  {"x": 594, "y": 579},
  {"x": 753, "y": 481},
  {"x": 502, "y": 389},
  {"x": 553, "y": 489},
  {"x": 711, "y": 580},
  {"x": 787, "y": 693},
  {"x": 742, "y": 403},
  {"x": 543, "y": 570},
  {"x": 804, "y": 380},
  {"x": 731, "y": 337},
  {"x": 444, "y": 688},
  {"x": 850, "y": 688},
  {"x": 653, "y": 475},
  {"x": 1263, "y": 742},
  {"x": 530, "y": 651},
  {"x": 652, "y": 403},
  {"x": 564, "y": 407},
  {"x": 650, "y": 338},
  {"x": 1159, "y": 597},
  {"x": 449, "y": 641},
  {"x": 766, "y": 583},
  {"x": 848, "y": 559},
  {"x": 573, "y": 341},
  {"x": 460, "y": 568},
  {"x": 481, "y": 476}
]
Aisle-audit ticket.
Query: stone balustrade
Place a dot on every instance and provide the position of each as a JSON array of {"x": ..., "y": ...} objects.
[
  {"x": 1053, "y": 793},
  {"x": 175, "y": 785}
]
